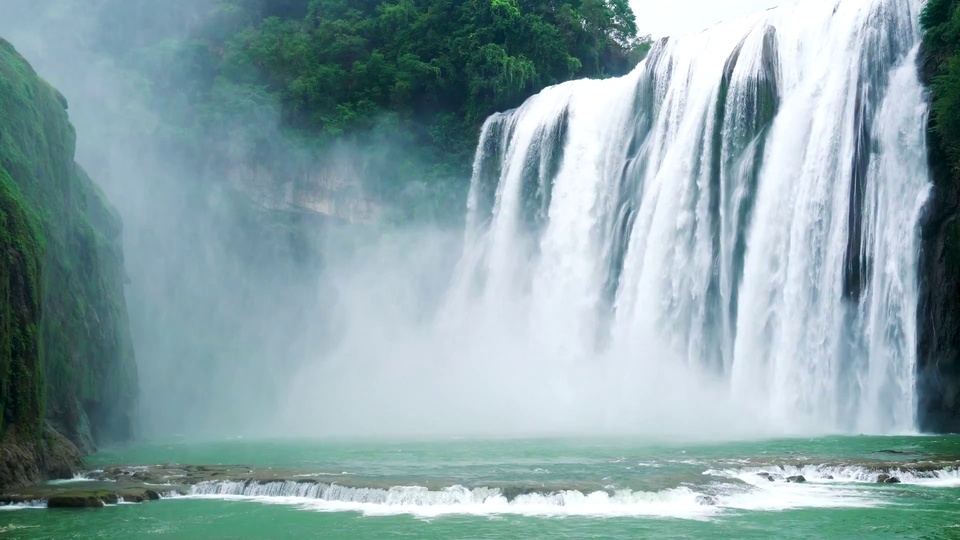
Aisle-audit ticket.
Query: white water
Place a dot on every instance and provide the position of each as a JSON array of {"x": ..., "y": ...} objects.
[
  {"x": 680, "y": 502},
  {"x": 841, "y": 474},
  {"x": 672, "y": 234},
  {"x": 753, "y": 488},
  {"x": 24, "y": 506},
  {"x": 79, "y": 477}
]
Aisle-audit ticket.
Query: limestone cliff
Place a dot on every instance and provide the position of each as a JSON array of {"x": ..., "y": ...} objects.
[
  {"x": 332, "y": 188},
  {"x": 66, "y": 359}
]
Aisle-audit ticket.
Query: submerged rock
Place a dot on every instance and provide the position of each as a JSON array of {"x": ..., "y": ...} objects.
[
  {"x": 706, "y": 500},
  {"x": 766, "y": 475},
  {"x": 887, "y": 479},
  {"x": 799, "y": 479}
]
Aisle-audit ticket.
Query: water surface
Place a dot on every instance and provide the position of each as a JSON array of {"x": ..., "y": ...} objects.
[{"x": 559, "y": 488}]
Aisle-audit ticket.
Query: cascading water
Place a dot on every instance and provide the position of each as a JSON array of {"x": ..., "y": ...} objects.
[{"x": 744, "y": 203}]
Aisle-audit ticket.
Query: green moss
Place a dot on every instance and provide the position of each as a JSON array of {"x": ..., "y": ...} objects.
[
  {"x": 83, "y": 358},
  {"x": 21, "y": 256},
  {"x": 941, "y": 41}
]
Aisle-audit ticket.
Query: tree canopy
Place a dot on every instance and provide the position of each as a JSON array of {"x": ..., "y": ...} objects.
[
  {"x": 941, "y": 23},
  {"x": 410, "y": 80}
]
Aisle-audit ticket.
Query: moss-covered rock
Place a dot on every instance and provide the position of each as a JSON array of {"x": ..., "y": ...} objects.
[
  {"x": 21, "y": 258},
  {"x": 93, "y": 499},
  {"x": 89, "y": 494},
  {"x": 939, "y": 314},
  {"x": 65, "y": 349}
]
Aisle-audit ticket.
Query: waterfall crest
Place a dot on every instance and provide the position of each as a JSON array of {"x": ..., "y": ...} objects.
[{"x": 742, "y": 206}]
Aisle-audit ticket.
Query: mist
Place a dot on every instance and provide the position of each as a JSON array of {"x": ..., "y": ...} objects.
[
  {"x": 224, "y": 292},
  {"x": 413, "y": 357},
  {"x": 272, "y": 295}
]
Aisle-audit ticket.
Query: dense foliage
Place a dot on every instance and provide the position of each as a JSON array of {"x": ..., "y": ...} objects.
[
  {"x": 941, "y": 23},
  {"x": 403, "y": 84},
  {"x": 941, "y": 42}
]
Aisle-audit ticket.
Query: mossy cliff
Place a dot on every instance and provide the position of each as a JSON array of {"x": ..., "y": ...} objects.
[
  {"x": 939, "y": 315},
  {"x": 66, "y": 359}
]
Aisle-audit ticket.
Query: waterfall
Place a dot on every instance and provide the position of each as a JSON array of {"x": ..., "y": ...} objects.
[{"x": 744, "y": 205}]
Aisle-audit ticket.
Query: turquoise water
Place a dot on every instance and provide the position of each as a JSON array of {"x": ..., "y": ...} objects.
[{"x": 541, "y": 489}]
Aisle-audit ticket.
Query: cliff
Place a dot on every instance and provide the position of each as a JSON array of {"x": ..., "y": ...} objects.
[
  {"x": 66, "y": 359},
  {"x": 939, "y": 313}
]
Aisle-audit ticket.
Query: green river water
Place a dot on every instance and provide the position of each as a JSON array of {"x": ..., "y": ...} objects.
[{"x": 462, "y": 488}]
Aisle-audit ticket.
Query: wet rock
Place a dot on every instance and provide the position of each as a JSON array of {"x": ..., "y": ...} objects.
[
  {"x": 90, "y": 494},
  {"x": 25, "y": 461},
  {"x": 828, "y": 477},
  {"x": 766, "y": 475},
  {"x": 512, "y": 492},
  {"x": 138, "y": 494},
  {"x": 799, "y": 479},
  {"x": 75, "y": 501},
  {"x": 706, "y": 500},
  {"x": 887, "y": 479}
]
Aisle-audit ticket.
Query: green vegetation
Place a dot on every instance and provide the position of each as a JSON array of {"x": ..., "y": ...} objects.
[
  {"x": 402, "y": 85},
  {"x": 63, "y": 325},
  {"x": 941, "y": 41},
  {"x": 941, "y": 23}
]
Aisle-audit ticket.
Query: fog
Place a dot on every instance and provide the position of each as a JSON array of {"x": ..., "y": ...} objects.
[
  {"x": 253, "y": 317},
  {"x": 412, "y": 359},
  {"x": 222, "y": 298}
]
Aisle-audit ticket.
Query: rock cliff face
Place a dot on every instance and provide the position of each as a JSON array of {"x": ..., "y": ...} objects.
[
  {"x": 332, "y": 189},
  {"x": 939, "y": 313},
  {"x": 66, "y": 359}
]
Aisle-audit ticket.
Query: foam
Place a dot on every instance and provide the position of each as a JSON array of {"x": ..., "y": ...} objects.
[
  {"x": 683, "y": 502},
  {"x": 77, "y": 478},
  {"x": 28, "y": 505},
  {"x": 842, "y": 474},
  {"x": 680, "y": 503}
]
